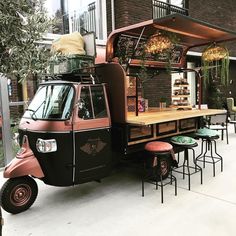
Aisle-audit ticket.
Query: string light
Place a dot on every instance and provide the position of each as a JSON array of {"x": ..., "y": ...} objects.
[{"x": 158, "y": 43}]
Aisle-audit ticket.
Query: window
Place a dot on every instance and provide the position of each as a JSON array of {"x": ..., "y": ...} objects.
[
  {"x": 55, "y": 10},
  {"x": 51, "y": 102},
  {"x": 163, "y": 8},
  {"x": 84, "y": 105},
  {"x": 80, "y": 15},
  {"x": 99, "y": 104},
  {"x": 92, "y": 103},
  {"x": 178, "y": 3},
  {"x": 88, "y": 16}
]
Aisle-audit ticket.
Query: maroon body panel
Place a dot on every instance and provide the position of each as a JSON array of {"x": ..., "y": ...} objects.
[
  {"x": 45, "y": 125},
  {"x": 25, "y": 163}
]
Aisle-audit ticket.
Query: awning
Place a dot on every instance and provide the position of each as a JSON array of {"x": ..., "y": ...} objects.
[{"x": 191, "y": 32}]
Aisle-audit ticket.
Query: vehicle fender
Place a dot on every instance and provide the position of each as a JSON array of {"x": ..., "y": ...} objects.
[
  {"x": 25, "y": 163},
  {"x": 21, "y": 167}
]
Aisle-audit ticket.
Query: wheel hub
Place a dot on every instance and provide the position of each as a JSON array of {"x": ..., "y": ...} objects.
[{"x": 20, "y": 195}]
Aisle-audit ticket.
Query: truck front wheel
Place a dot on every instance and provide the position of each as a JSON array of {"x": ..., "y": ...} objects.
[{"x": 18, "y": 194}]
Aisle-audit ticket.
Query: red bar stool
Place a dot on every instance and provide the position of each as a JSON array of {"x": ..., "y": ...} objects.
[{"x": 161, "y": 158}]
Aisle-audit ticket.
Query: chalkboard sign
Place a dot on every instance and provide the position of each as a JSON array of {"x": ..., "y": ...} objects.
[{"x": 126, "y": 44}]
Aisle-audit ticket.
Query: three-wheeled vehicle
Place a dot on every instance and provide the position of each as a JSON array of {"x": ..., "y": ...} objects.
[{"x": 78, "y": 123}]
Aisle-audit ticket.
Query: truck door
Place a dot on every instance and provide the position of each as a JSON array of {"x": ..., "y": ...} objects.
[{"x": 92, "y": 134}]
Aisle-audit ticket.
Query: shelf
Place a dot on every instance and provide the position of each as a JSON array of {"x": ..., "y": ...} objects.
[
  {"x": 181, "y": 96},
  {"x": 181, "y": 85}
]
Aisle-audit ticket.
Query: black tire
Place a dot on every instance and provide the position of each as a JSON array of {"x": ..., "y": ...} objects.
[{"x": 18, "y": 194}]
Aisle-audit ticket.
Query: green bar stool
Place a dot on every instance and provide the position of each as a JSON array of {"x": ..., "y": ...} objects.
[
  {"x": 209, "y": 152},
  {"x": 185, "y": 143},
  {"x": 160, "y": 166}
]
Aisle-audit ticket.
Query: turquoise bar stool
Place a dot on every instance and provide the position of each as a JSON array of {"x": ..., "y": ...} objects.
[
  {"x": 185, "y": 144},
  {"x": 209, "y": 152}
]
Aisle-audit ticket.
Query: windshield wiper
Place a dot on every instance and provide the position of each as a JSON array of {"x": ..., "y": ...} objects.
[{"x": 32, "y": 115}]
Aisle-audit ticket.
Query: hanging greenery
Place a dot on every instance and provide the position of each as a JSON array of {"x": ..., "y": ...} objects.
[{"x": 217, "y": 57}]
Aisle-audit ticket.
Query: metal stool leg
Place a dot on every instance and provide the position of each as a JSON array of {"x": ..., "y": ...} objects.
[
  {"x": 213, "y": 160},
  {"x": 220, "y": 157},
  {"x": 197, "y": 167},
  {"x": 143, "y": 178},
  {"x": 161, "y": 189},
  {"x": 175, "y": 185},
  {"x": 210, "y": 152}
]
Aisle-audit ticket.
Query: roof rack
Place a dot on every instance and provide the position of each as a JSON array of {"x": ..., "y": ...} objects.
[{"x": 73, "y": 77}]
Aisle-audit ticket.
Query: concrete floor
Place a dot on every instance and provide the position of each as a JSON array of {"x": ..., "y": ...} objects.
[{"x": 115, "y": 206}]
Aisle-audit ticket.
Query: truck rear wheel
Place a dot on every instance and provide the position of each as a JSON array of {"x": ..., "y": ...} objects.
[{"x": 18, "y": 194}]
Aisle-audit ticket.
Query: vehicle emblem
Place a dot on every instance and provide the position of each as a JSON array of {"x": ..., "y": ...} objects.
[{"x": 93, "y": 146}]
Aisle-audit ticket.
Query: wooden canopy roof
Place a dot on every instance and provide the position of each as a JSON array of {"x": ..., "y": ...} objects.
[{"x": 191, "y": 32}]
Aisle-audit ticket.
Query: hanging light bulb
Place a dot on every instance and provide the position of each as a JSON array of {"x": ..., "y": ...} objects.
[{"x": 158, "y": 43}]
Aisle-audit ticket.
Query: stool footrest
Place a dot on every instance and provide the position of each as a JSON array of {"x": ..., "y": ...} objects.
[
  {"x": 209, "y": 152},
  {"x": 166, "y": 181},
  {"x": 196, "y": 169},
  {"x": 209, "y": 157}
]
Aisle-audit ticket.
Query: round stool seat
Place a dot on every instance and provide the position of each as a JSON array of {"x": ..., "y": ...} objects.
[
  {"x": 207, "y": 133},
  {"x": 184, "y": 141},
  {"x": 158, "y": 146}
]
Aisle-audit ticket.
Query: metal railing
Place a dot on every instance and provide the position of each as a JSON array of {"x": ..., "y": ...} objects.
[{"x": 161, "y": 9}]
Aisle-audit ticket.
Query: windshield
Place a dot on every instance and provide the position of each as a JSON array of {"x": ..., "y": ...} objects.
[{"x": 51, "y": 102}]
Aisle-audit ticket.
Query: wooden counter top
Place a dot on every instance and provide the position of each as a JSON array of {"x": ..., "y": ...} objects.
[{"x": 155, "y": 115}]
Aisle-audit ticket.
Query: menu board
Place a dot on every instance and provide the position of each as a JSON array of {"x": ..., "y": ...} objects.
[{"x": 126, "y": 48}]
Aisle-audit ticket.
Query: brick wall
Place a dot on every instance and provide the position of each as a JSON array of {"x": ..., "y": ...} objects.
[
  {"x": 217, "y": 12},
  {"x": 157, "y": 87},
  {"x": 109, "y": 26},
  {"x": 129, "y": 12}
]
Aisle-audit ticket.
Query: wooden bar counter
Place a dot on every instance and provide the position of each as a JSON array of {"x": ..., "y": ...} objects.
[
  {"x": 156, "y": 124},
  {"x": 156, "y": 115}
]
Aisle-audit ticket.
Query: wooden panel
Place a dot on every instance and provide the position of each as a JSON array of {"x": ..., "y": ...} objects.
[
  {"x": 140, "y": 132},
  {"x": 114, "y": 76},
  {"x": 187, "y": 124},
  {"x": 167, "y": 127}
]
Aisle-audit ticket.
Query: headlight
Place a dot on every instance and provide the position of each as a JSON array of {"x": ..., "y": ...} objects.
[{"x": 45, "y": 146}]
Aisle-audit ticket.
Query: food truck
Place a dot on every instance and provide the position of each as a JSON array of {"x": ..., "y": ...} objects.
[{"x": 82, "y": 121}]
